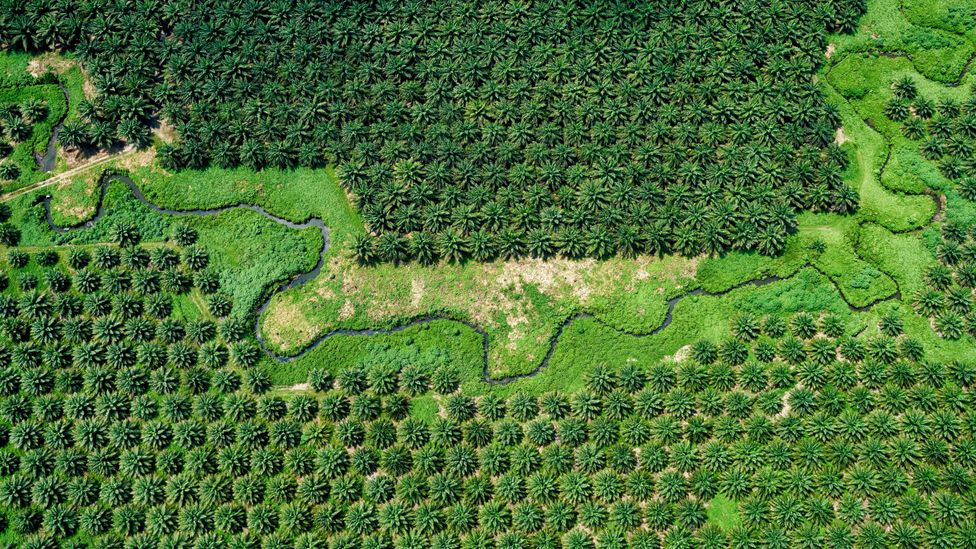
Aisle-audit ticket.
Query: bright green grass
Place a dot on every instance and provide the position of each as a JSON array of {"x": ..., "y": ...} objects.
[
  {"x": 250, "y": 251},
  {"x": 724, "y": 512},
  {"x": 13, "y": 68},
  {"x": 295, "y": 195},
  {"x": 860, "y": 282},
  {"x": 909, "y": 172},
  {"x": 254, "y": 252},
  {"x": 905, "y": 257},
  {"x": 74, "y": 201},
  {"x": 955, "y": 16},
  {"x": 939, "y": 44},
  {"x": 586, "y": 342},
  {"x": 894, "y": 211},
  {"x": 424, "y": 408}
]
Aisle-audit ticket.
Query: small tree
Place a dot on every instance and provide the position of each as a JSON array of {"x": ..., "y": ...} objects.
[
  {"x": 126, "y": 234},
  {"x": 9, "y": 171}
]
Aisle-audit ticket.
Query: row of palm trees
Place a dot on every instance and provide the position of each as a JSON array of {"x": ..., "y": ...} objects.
[{"x": 209, "y": 456}]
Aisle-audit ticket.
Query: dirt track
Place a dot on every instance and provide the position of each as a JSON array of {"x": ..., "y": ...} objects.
[{"x": 64, "y": 176}]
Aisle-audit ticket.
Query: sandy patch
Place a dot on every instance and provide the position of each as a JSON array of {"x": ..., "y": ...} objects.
[
  {"x": 515, "y": 318},
  {"x": 137, "y": 159},
  {"x": 682, "y": 354},
  {"x": 48, "y": 62},
  {"x": 831, "y": 48},
  {"x": 323, "y": 292},
  {"x": 513, "y": 339},
  {"x": 128, "y": 158},
  {"x": 75, "y": 212},
  {"x": 786, "y": 405},
  {"x": 351, "y": 285},
  {"x": 76, "y": 157},
  {"x": 417, "y": 286},
  {"x": 347, "y": 311},
  {"x": 286, "y": 325},
  {"x": 297, "y": 387},
  {"x": 164, "y": 131},
  {"x": 549, "y": 276},
  {"x": 640, "y": 275},
  {"x": 840, "y": 137},
  {"x": 690, "y": 269}
]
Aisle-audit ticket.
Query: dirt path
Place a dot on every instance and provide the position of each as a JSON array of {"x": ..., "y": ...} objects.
[{"x": 66, "y": 175}]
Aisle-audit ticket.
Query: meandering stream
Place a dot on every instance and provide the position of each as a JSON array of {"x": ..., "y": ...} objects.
[{"x": 302, "y": 278}]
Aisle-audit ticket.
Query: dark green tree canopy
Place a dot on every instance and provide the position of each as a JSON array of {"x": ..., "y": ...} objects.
[{"x": 486, "y": 129}]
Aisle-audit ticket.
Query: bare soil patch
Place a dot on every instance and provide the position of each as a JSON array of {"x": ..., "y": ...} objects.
[
  {"x": 681, "y": 354},
  {"x": 57, "y": 64},
  {"x": 550, "y": 276},
  {"x": 840, "y": 137},
  {"x": 49, "y": 62},
  {"x": 286, "y": 325},
  {"x": 164, "y": 131},
  {"x": 417, "y": 286},
  {"x": 347, "y": 311}
]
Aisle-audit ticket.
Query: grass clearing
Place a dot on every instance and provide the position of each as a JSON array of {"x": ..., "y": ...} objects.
[
  {"x": 519, "y": 303},
  {"x": 723, "y": 512},
  {"x": 808, "y": 435},
  {"x": 75, "y": 200},
  {"x": 938, "y": 35}
]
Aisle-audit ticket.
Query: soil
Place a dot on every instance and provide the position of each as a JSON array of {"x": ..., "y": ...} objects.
[
  {"x": 164, "y": 131},
  {"x": 840, "y": 137}
]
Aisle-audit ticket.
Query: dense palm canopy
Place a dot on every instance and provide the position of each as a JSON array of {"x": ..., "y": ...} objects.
[{"x": 489, "y": 129}]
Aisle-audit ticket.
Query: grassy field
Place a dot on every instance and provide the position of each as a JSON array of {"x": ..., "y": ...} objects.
[
  {"x": 937, "y": 37},
  {"x": 75, "y": 199},
  {"x": 519, "y": 303}
]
